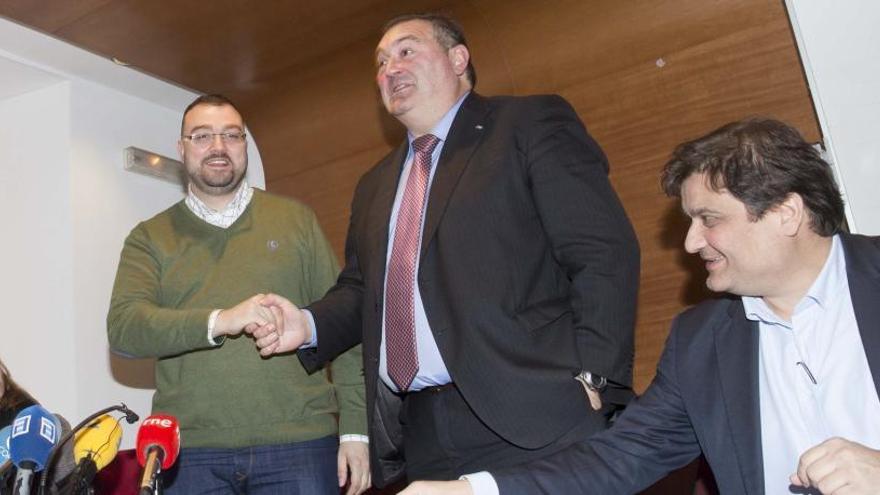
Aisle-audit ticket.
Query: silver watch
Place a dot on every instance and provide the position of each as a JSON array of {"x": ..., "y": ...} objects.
[{"x": 592, "y": 381}]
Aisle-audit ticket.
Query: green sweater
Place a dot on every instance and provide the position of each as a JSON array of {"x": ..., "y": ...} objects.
[{"x": 175, "y": 269}]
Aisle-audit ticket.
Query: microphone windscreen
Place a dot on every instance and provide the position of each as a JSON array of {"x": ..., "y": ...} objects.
[
  {"x": 99, "y": 441},
  {"x": 4, "y": 443},
  {"x": 34, "y": 432},
  {"x": 159, "y": 430}
]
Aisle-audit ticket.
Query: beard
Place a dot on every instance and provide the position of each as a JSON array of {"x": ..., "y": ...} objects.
[{"x": 216, "y": 182}]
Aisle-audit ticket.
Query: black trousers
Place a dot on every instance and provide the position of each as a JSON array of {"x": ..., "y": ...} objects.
[{"x": 444, "y": 439}]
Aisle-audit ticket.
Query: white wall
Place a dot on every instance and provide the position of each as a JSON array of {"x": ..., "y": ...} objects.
[
  {"x": 838, "y": 42},
  {"x": 65, "y": 118},
  {"x": 36, "y": 259},
  {"x": 108, "y": 201}
]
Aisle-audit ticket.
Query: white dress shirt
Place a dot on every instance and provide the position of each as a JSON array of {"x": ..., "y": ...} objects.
[{"x": 831, "y": 393}]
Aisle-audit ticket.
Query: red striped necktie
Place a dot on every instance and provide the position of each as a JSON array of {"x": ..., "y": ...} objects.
[{"x": 400, "y": 335}]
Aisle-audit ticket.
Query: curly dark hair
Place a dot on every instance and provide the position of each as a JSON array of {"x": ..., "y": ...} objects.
[{"x": 760, "y": 161}]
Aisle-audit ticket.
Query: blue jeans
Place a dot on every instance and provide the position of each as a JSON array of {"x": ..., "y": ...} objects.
[{"x": 304, "y": 468}]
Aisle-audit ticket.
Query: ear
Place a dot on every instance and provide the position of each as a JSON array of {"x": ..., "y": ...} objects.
[
  {"x": 459, "y": 56},
  {"x": 180, "y": 148},
  {"x": 792, "y": 214}
]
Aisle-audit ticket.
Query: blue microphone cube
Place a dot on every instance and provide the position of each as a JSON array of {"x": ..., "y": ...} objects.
[{"x": 34, "y": 433}]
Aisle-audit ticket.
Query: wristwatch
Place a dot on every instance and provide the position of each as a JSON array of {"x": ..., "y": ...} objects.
[{"x": 592, "y": 381}]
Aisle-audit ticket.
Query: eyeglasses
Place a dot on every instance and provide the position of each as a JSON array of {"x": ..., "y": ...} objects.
[{"x": 204, "y": 139}]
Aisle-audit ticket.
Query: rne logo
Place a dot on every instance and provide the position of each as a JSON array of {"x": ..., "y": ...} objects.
[{"x": 163, "y": 422}]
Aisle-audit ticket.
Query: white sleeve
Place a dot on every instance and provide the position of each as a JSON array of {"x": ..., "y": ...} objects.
[{"x": 482, "y": 483}]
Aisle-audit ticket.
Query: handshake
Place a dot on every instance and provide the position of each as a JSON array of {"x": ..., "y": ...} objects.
[{"x": 275, "y": 323}]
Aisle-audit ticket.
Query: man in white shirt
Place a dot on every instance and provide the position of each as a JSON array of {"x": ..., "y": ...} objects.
[{"x": 776, "y": 387}]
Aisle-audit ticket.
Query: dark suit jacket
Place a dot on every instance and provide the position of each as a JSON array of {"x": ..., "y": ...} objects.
[
  {"x": 528, "y": 273},
  {"x": 704, "y": 398}
]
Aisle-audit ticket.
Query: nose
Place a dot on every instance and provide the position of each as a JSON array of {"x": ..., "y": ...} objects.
[
  {"x": 392, "y": 65},
  {"x": 694, "y": 241},
  {"x": 217, "y": 142}
]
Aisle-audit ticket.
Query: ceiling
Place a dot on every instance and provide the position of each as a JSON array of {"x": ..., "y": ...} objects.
[{"x": 231, "y": 47}]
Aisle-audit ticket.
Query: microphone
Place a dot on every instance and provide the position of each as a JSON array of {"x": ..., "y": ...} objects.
[
  {"x": 158, "y": 443},
  {"x": 5, "y": 433},
  {"x": 130, "y": 416},
  {"x": 34, "y": 432},
  {"x": 94, "y": 446},
  {"x": 5, "y": 463}
]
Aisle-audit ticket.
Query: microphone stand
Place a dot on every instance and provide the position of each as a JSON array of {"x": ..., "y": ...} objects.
[
  {"x": 150, "y": 481},
  {"x": 130, "y": 417}
]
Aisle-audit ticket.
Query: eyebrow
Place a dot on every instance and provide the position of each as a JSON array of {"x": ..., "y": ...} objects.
[
  {"x": 408, "y": 37},
  {"x": 211, "y": 128},
  {"x": 699, "y": 211}
]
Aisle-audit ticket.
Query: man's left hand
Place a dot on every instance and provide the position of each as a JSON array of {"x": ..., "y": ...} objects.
[
  {"x": 839, "y": 466},
  {"x": 458, "y": 487},
  {"x": 353, "y": 458},
  {"x": 595, "y": 399}
]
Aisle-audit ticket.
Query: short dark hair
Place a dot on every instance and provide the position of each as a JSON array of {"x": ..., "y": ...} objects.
[
  {"x": 447, "y": 32},
  {"x": 760, "y": 161},
  {"x": 213, "y": 100}
]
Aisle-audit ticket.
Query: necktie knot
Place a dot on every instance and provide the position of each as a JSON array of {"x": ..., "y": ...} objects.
[{"x": 425, "y": 144}]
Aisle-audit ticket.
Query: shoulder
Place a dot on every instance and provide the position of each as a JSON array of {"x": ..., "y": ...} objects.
[
  {"x": 271, "y": 201},
  {"x": 162, "y": 221},
  {"x": 281, "y": 209},
  {"x": 862, "y": 249},
  {"x": 698, "y": 322},
  {"x": 530, "y": 103}
]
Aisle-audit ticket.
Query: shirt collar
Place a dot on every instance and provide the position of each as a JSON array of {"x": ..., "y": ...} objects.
[
  {"x": 441, "y": 130},
  {"x": 229, "y": 214},
  {"x": 824, "y": 289}
]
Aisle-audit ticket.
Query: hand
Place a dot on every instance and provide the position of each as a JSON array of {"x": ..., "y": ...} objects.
[
  {"x": 595, "y": 399},
  {"x": 245, "y": 314},
  {"x": 839, "y": 466},
  {"x": 593, "y": 395},
  {"x": 457, "y": 487},
  {"x": 353, "y": 457},
  {"x": 289, "y": 334}
]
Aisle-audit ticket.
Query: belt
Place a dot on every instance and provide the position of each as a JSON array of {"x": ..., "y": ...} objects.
[{"x": 436, "y": 389}]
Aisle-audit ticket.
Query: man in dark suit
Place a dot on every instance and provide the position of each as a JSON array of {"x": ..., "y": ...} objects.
[
  {"x": 778, "y": 387},
  {"x": 490, "y": 272}
]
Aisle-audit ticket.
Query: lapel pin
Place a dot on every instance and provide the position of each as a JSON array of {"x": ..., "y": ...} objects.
[{"x": 478, "y": 127}]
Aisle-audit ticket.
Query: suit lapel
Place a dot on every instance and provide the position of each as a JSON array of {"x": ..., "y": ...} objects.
[
  {"x": 736, "y": 346},
  {"x": 863, "y": 277},
  {"x": 380, "y": 210},
  {"x": 463, "y": 139}
]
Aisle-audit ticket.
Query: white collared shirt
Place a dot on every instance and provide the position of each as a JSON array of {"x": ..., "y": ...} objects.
[
  {"x": 823, "y": 335},
  {"x": 228, "y": 215}
]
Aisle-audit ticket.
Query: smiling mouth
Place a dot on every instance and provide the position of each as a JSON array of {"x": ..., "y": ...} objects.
[
  {"x": 216, "y": 162},
  {"x": 399, "y": 88},
  {"x": 712, "y": 262}
]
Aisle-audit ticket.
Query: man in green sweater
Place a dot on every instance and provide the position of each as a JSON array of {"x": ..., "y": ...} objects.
[{"x": 189, "y": 281}]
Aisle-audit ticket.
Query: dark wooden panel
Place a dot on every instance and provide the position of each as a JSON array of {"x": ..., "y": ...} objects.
[
  {"x": 50, "y": 16},
  {"x": 221, "y": 46}
]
